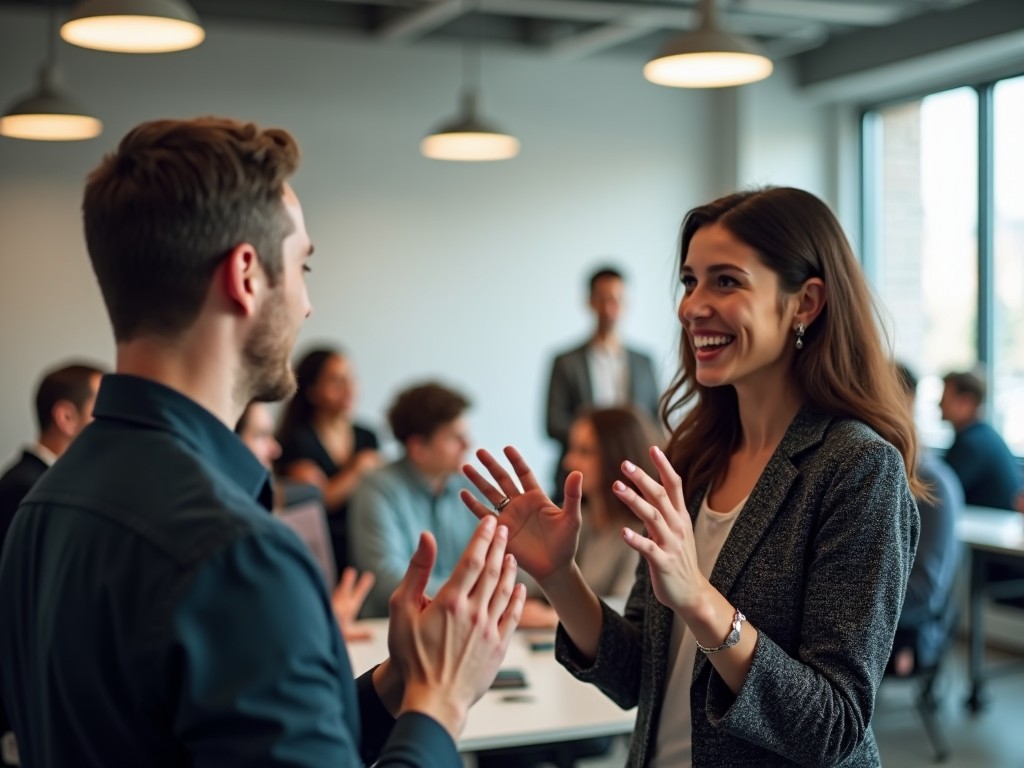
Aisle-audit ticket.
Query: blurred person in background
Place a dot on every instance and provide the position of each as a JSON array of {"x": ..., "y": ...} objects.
[{"x": 321, "y": 445}]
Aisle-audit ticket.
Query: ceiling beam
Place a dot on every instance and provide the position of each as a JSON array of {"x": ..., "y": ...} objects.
[
  {"x": 826, "y": 11},
  {"x": 422, "y": 21},
  {"x": 598, "y": 39},
  {"x": 918, "y": 36}
]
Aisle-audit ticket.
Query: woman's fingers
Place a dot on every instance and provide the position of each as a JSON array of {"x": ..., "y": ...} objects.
[
  {"x": 670, "y": 480},
  {"x": 501, "y": 477},
  {"x": 483, "y": 485},
  {"x": 475, "y": 506},
  {"x": 522, "y": 469},
  {"x": 652, "y": 518},
  {"x": 655, "y": 494}
]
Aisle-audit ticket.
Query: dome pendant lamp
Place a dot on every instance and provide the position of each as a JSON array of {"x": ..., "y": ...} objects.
[
  {"x": 708, "y": 57},
  {"x": 47, "y": 114},
  {"x": 133, "y": 26},
  {"x": 466, "y": 137}
]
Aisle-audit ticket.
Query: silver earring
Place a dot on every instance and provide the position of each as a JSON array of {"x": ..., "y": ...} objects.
[{"x": 800, "y": 330}]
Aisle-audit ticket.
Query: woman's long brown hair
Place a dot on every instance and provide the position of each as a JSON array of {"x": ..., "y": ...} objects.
[{"x": 844, "y": 369}]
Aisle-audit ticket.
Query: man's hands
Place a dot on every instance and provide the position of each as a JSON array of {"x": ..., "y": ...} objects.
[
  {"x": 347, "y": 599},
  {"x": 448, "y": 650}
]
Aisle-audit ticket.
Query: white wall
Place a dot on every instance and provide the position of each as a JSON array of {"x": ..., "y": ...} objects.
[
  {"x": 472, "y": 273},
  {"x": 783, "y": 138}
]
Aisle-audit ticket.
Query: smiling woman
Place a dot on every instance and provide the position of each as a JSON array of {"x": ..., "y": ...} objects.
[{"x": 780, "y": 511}]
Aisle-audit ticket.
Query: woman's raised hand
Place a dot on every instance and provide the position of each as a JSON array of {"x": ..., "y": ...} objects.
[
  {"x": 669, "y": 546},
  {"x": 542, "y": 537}
]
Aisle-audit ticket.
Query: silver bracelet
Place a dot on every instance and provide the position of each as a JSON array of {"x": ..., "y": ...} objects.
[{"x": 731, "y": 640}]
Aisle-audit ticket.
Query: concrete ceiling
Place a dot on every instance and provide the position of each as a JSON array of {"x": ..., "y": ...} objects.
[{"x": 567, "y": 28}]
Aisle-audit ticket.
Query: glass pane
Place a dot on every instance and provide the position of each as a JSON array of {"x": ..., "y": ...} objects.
[
  {"x": 1007, "y": 401},
  {"x": 924, "y": 215}
]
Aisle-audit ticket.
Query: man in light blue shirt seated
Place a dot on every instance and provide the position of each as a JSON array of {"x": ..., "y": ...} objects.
[{"x": 418, "y": 492}]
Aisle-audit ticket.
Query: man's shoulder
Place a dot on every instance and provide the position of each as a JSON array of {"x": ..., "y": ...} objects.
[
  {"x": 151, "y": 486},
  {"x": 637, "y": 352},
  {"x": 22, "y": 472},
  {"x": 981, "y": 434},
  {"x": 571, "y": 354},
  {"x": 391, "y": 480}
]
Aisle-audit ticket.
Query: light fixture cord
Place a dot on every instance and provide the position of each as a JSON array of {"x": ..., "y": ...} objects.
[
  {"x": 51, "y": 34},
  {"x": 471, "y": 54},
  {"x": 709, "y": 14}
]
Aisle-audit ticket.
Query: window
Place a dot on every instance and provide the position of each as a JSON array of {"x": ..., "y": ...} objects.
[
  {"x": 1007, "y": 397},
  {"x": 944, "y": 242}
]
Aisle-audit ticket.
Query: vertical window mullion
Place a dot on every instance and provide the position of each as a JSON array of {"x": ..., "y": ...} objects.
[
  {"x": 871, "y": 193},
  {"x": 986, "y": 228}
]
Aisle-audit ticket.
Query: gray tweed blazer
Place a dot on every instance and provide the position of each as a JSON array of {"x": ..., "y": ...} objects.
[{"x": 818, "y": 560}]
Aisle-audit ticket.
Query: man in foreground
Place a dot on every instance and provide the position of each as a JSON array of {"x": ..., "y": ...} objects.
[{"x": 152, "y": 611}]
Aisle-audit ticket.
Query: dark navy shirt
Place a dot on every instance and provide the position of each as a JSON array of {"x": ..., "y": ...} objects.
[
  {"x": 986, "y": 467},
  {"x": 153, "y": 613}
]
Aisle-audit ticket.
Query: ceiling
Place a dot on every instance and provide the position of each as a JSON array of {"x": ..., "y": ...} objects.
[{"x": 566, "y": 28}]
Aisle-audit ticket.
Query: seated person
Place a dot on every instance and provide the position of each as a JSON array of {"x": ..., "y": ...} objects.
[
  {"x": 599, "y": 441},
  {"x": 982, "y": 460},
  {"x": 255, "y": 428},
  {"x": 320, "y": 443},
  {"x": 923, "y": 628},
  {"x": 64, "y": 400},
  {"x": 980, "y": 457},
  {"x": 418, "y": 492}
]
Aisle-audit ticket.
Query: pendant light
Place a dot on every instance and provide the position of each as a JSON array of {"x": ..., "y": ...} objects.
[
  {"x": 467, "y": 137},
  {"x": 133, "y": 26},
  {"x": 708, "y": 57},
  {"x": 47, "y": 114}
]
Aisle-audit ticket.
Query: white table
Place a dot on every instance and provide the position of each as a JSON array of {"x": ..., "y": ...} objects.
[
  {"x": 554, "y": 706},
  {"x": 991, "y": 536}
]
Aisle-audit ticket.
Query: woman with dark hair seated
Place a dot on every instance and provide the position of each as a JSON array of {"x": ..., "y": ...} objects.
[
  {"x": 320, "y": 443},
  {"x": 599, "y": 441}
]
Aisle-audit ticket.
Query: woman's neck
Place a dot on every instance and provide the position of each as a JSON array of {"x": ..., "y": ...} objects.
[
  {"x": 331, "y": 422},
  {"x": 766, "y": 410},
  {"x": 597, "y": 512}
]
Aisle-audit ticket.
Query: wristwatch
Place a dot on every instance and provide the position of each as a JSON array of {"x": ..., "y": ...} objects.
[{"x": 731, "y": 640}]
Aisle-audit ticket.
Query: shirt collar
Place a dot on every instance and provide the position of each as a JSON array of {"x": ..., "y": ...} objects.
[
  {"x": 150, "y": 404},
  {"x": 417, "y": 479},
  {"x": 42, "y": 453}
]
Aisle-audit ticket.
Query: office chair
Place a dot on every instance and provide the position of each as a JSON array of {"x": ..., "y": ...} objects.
[{"x": 925, "y": 675}]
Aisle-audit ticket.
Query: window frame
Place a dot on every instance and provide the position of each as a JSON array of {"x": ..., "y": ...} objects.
[{"x": 872, "y": 202}]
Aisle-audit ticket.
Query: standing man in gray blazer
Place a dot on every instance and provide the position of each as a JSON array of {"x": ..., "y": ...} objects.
[{"x": 602, "y": 372}]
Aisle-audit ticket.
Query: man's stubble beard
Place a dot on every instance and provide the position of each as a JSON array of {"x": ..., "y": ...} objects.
[{"x": 267, "y": 374}]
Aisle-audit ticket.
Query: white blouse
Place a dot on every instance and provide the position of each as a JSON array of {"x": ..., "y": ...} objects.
[{"x": 672, "y": 749}]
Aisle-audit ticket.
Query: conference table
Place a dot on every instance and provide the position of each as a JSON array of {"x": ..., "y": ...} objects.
[
  {"x": 992, "y": 536},
  {"x": 553, "y": 706}
]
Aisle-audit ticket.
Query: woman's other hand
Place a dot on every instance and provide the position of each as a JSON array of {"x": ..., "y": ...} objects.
[{"x": 542, "y": 536}]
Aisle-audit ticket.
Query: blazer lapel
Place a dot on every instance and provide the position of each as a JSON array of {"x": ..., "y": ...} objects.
[
  {"x": 587, "y": 388},
  {"x": 764, "y": 502}
]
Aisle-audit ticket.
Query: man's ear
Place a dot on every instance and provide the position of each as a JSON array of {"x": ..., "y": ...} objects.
[
  {"x": 65, "y": 417},
  {"x": 414, "y": 448},
  {"x": 811, "y": 301},
  {"x": 243, "y": 277}
]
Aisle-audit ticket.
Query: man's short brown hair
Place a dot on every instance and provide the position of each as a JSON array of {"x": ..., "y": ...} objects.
[
  {"x": 421, "y": 410},
  {"x": 163, "y": 211},
  {"x": 72, "y": 382},
  {"x": 967, "y": 383}
]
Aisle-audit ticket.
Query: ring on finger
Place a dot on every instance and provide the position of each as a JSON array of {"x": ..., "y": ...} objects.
[{"x": 502, "y": 504}]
